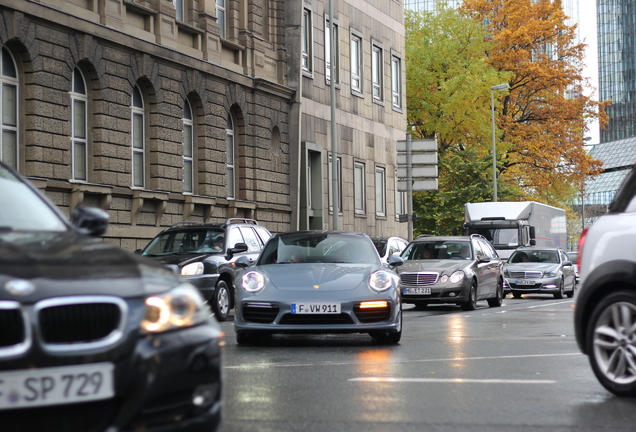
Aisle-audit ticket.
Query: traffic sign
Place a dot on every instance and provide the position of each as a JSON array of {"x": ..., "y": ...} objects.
[
  {"x": 418, "y": 171},
  {"x": 429, "y": 158},
  {"x": 418, "y": 145},
  {"x": 426, "y": 184}
]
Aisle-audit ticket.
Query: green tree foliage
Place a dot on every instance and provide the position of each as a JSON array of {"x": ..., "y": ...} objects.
[{"x": 448, "y": 98}]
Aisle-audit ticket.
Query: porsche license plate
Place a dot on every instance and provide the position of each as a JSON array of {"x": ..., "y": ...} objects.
[
  {"x": 418, "y": 290},
  {"x": 315, "y": 308},
  {"x": 56, "y": 385}
]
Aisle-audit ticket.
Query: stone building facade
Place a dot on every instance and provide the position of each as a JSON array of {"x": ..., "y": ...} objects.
[{"x": 161, "y": 111}]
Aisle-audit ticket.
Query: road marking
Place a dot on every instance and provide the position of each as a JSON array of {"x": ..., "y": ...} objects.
[
  {"x": 454, "y": 359},
  {"x": 449, "y": 380}
]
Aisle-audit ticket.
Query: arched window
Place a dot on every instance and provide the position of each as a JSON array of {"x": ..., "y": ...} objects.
[
  {"x": 229, "y": 141},
  {"x": 188, "y": 149},
  {"x": 9, "y": 110},
  {"x": 79, "y": 126},
  {"x": 138, "y": 138}
]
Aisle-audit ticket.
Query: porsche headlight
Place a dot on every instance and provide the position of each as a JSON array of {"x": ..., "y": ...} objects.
[
  {"x": 182, "y": 306},
  {"x": 253, "y": 282},
  {"x": 456, "y": 277},
  {"x": 192, "y": 269},
  {"x": 380, "y": 281}
]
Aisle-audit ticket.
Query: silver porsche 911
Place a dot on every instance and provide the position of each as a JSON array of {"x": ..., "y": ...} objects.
[{"x": 318, "y": 282}]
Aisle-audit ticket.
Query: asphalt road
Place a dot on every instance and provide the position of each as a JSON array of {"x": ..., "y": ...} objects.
[{"x": 515, "y": 369}]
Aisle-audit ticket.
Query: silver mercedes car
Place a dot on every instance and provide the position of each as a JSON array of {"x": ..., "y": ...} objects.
[
  {"x": 540, "y": 270},
  {"x": 318, "y": 282}
]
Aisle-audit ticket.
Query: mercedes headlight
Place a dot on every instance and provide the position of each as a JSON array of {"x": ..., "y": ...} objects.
[
  {"x": 253, "y": 282},
  {"x": 381, "y": 281},
  {"x": 180, "y": 307},
  {"x": 553, "y": 273},
  {"x": 456, "y": 277}
]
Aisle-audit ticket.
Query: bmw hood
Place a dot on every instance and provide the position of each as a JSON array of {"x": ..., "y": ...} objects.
[
  {"x": 57, "y": 264},
  {"x": 309, "y": 277},
  {"x": 436, "y": 266}
]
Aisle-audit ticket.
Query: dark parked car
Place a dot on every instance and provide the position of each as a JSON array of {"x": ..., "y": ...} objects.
[
  {"x": 605, "y": 312},
  {"x": 318, "y": 282},
  {"x": 93, "y": 338},
  {"x": 540, "y": 271},
  {"x": 201, "y": 251},
  {"x": 388, "y": 246},
  {"x": 453, "y": 269}
]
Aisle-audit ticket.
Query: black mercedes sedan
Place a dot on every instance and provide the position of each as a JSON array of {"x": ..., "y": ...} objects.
[{"x": 93, "y": 338}]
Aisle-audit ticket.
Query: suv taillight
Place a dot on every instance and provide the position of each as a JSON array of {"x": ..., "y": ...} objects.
[{"x": 579, "y": 256}]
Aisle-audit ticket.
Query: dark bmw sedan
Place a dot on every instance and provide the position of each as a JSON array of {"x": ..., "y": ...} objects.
[{"x": 93, "y": 338}]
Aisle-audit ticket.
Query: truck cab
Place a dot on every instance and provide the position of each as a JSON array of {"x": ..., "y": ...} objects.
[{"x": 504, "y": 235}]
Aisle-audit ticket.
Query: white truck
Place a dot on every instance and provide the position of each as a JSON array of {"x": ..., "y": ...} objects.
[{"x": 508, "y": 225}]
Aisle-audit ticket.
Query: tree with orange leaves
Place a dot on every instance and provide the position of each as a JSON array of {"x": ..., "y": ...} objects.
[{"x": 543, "y": 118}]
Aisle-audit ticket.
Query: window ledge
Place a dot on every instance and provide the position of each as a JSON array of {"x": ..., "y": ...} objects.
[
  {"x": 232, "y": 45},
  {"x": 188, "y": 28},
  {"x": 143, "y": 10}
]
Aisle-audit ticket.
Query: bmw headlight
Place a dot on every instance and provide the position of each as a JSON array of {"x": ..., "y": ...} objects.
[
  {"x": 456, "y": 277},
  {"x": 182, "y": 306},
  {"x": 192, "y": 269},
  {"x": 381, "y": 281},
  {"x": 253, "y": 282}
]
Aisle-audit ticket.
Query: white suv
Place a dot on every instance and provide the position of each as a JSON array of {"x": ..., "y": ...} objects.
[{"x": 605, "y": 313}]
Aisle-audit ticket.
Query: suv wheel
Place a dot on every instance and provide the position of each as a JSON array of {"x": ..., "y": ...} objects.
[
  {"x": 221, "y": 301},
  {"x": 611, "y": 338}
]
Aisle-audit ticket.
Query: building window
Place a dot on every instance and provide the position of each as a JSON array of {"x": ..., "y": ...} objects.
[
  {"x": 380, "y": 191},
  {"x": 220, "y": 16},
  {"x": 376, "y": 72},
  {"x": 330, "y": 186},
  {"x": 358, "y": 184},
  {"x": 188, "y": 149},
  {"x": 396, "y": 82},
  {"x": 307, "y": 42},
  {"x": 229, "y": 142},
  {"x": 356, "y": 64},
  {"x": 138, "y": 138},
  {"x": 336, "y": 54},
  {"x": 79, "y": 126},
  {"x": 179, "y": 6},
  {"x": 9, "y": 110}
]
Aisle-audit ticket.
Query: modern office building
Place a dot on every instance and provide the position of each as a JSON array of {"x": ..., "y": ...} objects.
[
  {"x": 161, "y": 111},
  {"x": 616, "y": 22}
]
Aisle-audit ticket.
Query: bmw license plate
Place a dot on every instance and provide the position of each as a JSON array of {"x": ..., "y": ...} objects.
[
  {"x": 56, "y": 385},
  {"x": 525, "y": 282},
  {"x": 315, "y": 308},
  {"x": 418, "y": 290}
]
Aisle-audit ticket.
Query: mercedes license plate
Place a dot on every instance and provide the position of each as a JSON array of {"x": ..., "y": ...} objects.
[
  {"x": 525, "y": 282},
  {"x": 418, "y": 290},
  {"x": 56, "y": 385}
]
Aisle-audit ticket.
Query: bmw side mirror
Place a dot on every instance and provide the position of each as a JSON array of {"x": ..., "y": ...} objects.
[{"x": 91, "y": 221}]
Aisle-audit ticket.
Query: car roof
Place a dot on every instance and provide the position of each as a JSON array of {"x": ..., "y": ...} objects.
[
  {"x": 288, "y": 233},
  {"x": 191, "y": 225},
  {"x": 427, "y": 237},
  {"x": 537, "y": 248}
]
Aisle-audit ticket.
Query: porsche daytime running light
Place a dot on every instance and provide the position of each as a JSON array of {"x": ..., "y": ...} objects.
[
  {"x": 253, "y": 282},
  {"x": 456, "y": 277},
  {"x": 380, "y": 281},
  {"x": 192, "y": 269},
  {"x": 180, "y": 307}
]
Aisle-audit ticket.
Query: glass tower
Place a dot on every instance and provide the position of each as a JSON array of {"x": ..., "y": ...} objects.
[{"x": 616, "y": 22}]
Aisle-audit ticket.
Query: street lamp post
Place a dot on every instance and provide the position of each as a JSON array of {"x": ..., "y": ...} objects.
[{"x": 494, "y": 145}]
